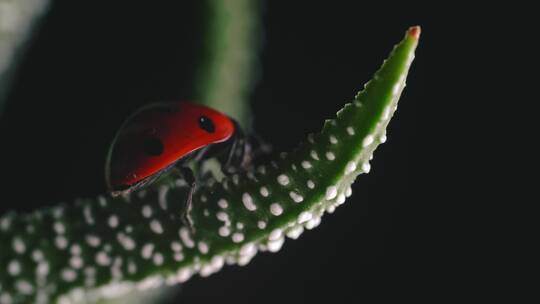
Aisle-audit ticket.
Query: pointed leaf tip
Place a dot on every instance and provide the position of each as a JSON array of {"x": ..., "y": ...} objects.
[{"x": 414, "y": 32}]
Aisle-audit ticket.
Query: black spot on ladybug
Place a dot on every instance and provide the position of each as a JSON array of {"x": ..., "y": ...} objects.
[
  {"x": 153, "y": 146},
  {"x": 206, "y": 124}
]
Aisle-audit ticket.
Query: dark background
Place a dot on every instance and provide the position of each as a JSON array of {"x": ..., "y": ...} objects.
[{"x": 93, "y": 63}]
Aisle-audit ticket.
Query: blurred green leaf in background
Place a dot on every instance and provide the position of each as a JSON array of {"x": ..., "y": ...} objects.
[{"x": 18, "y": 21}]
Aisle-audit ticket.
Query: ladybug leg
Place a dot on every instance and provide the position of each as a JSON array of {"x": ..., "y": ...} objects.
[
  {"x": 244, "y": 153},
  {"x": 240, "y": 152},
  {"x": 233, "y": 156},
  {"x": 235, "y": 153},
  {"x": 230, "y": 154},
  {"x": 188, "y": 175},
  {"x": 258, "y": 151},
  {"x": 259, "y": 146}
]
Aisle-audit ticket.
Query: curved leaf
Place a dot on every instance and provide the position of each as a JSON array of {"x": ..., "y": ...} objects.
[{"x": 105, "y": 247}]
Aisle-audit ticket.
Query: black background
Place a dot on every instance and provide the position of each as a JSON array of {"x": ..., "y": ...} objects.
[{"x": 93, "y": 63}]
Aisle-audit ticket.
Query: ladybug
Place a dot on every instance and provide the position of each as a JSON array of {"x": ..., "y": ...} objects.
[{"x": 166, "y": 136}]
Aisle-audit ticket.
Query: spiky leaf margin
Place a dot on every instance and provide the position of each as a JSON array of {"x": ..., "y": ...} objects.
[{"x": 104, "y": 247}]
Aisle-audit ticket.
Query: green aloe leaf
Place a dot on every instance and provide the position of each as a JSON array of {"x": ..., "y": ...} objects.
[
  {"x": 226, "y": 75},
  {"x": 18, "y": 19},
  {"x": 106, "y": 247}
]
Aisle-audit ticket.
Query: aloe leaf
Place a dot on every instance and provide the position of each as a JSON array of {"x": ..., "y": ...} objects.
[
  {"x": 106, "y": 247},
  {"x": 226, "y": 74},
  {"x": 18, "y": 19}
]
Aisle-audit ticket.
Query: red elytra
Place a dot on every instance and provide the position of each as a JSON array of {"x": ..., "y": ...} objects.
[{"x": 158, "y": 136}]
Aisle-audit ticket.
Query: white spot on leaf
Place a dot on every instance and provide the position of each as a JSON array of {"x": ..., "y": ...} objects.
[
  {"x": 314, "y": 222},
  {"x": 222, "y": 216},
  {"x": 222, "y": 203},
  {"x": 276, "y": 209},
  {"x": 61, "y": 242},
  {"x": 237, "y": 237},
  {"x": 113, "y": 221},
  {"x": 224, "y": 231},
  {"x": 306, "y": 164},
  {"x": 350, "y": 168},
  {"x": 304, "y": 217},
  {"x": 264, "y": 191},
  {"x": 283, "y": 179},
  {"x": 295, "y": 232},
  {"x": 24, "y": 287},
  {"x": 275, "y": 234},
  {"x": 330, "y": 156},
  {"x": 14, "y": 268},
  {"x": 368, "y": 140},
  {"x": 18, "y": 245},
  {"x": 103, "y": 259},
  {"x": 147, "y": 250},
  {"x": 297, "y": 198},
  {"x": 366, "y": 167},
  {"x": 348, "y": 191},
  {"x": 186, "y": 237},
  {"x": 156, "y": 227},
  {"x": 176, "y": 247},
  {"x": 383, "y": 138},
  {"x": 331, "y": 193},
  {"x": 248, "y": 202},
  {"x": 340, "y": 199},
  {"x": 147, "y": 211},
  {"x": 157, "y": 259},
  {"x": 275, "y": 245},
  {"x": 68, "y": 275}
]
